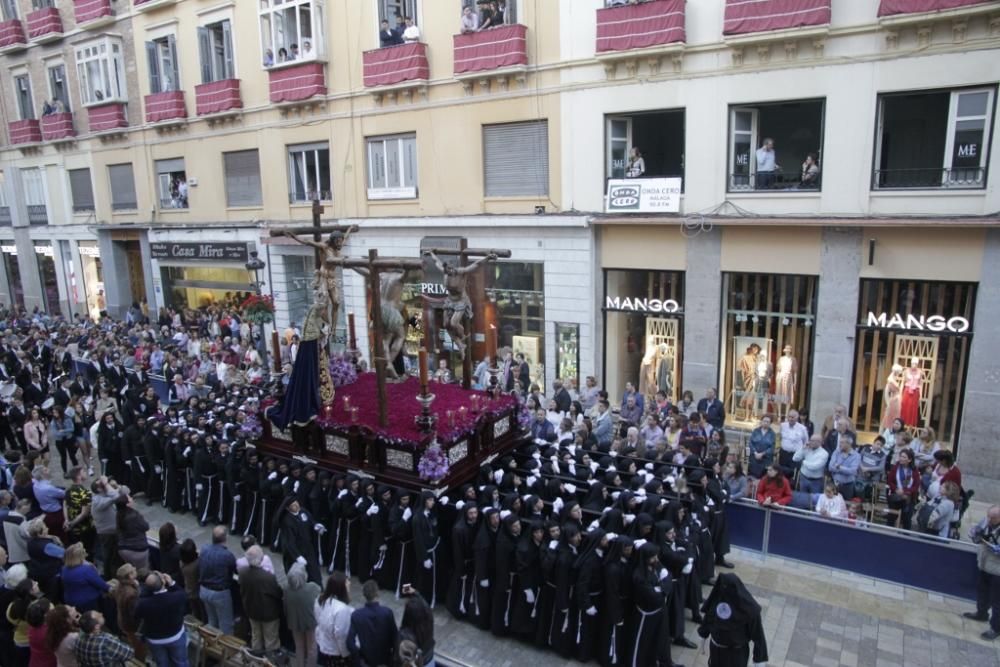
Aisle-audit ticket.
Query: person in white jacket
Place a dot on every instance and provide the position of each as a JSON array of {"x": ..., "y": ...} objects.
[{"x": 831, "y": 504}]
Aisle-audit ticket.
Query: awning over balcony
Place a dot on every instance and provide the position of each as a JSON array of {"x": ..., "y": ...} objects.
[
  {"x": 165, "y": 106},
  {"x": 640, "y": 26},
  {"x": 396, "y": 64},
  {"x": 24, "y": 132},
  {"x": 293, "y": 84},
  {"x": 894, "y": 7},
  {"x": 45, "y": 21},
  {"x": 218, "y": 96},
  {"x": 57, "y": 126},
  {"x": 91, "y": 10},
  {"x": 491, "y": 49},
  {"x": 748, "y": 16}
]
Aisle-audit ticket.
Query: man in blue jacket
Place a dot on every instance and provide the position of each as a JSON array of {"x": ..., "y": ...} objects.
[
  {"x": 372, "y": 637},
  {"x": 161, "y": 608},
  {"x": 713, "y": 409}
]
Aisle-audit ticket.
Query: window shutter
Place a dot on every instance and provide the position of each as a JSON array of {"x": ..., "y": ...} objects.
[
  {"x": 169, "y": 166},
  {"x": 227, "y": 50},
  {"x": 205, "y": 51},
  {"x": 175, "y": 75},
  {"x": 122, "y": 186},
  {"x": 243, "y": 178},
  {"x": 80, "y": 187},
  {"x": 154, "y": 67},
  {"x": 516, "y": 159},
  {"x": 410, "y": 162}
]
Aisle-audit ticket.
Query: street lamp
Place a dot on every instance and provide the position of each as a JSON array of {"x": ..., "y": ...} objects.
[{"x": 256, "y": 265}]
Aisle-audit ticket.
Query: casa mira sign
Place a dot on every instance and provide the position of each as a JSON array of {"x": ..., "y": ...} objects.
[
  {"x": 641, "y": 305},
  {"x": 937, "y": 323},
  {"x": 200, "y": 252}
]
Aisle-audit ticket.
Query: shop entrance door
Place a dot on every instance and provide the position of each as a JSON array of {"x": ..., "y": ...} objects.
[
  {"x": 661, "y": 373},
  {"x": 136, "y": 276},
  {"x": 925, "y": 350}
]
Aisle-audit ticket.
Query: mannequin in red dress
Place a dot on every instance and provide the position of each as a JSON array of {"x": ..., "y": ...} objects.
[{"x": 913, "y": 383}]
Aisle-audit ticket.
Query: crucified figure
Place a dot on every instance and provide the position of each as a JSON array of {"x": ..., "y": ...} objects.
[
  {"x": 456, "y": 303},
  {"x": 325, "y": 283}
]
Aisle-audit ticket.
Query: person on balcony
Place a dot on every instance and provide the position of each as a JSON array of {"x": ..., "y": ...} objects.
[
  {"x": 470, "y": 20},
  {"x": 412, "y": 33},
  {"x": 386, "y": 35},
  {"x": 810, "y": 172},
  {"x": 767, "y": 165},
  {"x": 636, "y": 165}
]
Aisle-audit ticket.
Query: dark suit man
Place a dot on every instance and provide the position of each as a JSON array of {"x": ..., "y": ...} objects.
[
  {"x": 523, "y": 373},
  {"x": 713, "y": 409},
  {"x": 386, "y": 36},
  {"x": 561, "y": 396},
  {"x": 372, "y": 637},
  {"x": 831, "y": 442},
  {"x": 541, "y": 428}
]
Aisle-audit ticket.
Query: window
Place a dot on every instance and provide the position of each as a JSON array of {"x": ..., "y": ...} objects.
[
  {"x": 392, "y": 167},
  {"x": 101, "y": 71},
  {"x": 34, "y": 195},
  {"x": 171, "y": 183},
  {"x": 215, "y": 43},
  {"x": 163, "y": 72},
  {"x": 298, "y": 281},
  {"x": 516, "y": 158},
  {"x": 793, "y": 157},
  {"x": 657, "y": 137},
  {"x": 42, "y": 4},
  {"x": 22, "y": 91},
  {"x": 309, "y": 172},
  {"x": 122, "y": 187},
  {"x": 242, "y": 178},
  {"x": 506, "y": 14},
  {"x": 81, "y": 190},
  {"x": 8, "y": 8},
  {"x": 57, "y": 88},
  {"x": 291, "y": 31},
  {"x": 937, "y": 139}
]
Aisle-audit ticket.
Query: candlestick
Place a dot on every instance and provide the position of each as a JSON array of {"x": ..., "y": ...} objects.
[
  {"x": 351, "y": 336},
  {"x": 354, "y": 415},
  {"x": 425, "y": 421},
  {"x": 422, "y": 355},
  {"x": 491, "y": 343},
  {"x": 463, "y": 413}
]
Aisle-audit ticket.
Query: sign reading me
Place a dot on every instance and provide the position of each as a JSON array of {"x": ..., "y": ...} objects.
[{"x": 643, "y": 195}]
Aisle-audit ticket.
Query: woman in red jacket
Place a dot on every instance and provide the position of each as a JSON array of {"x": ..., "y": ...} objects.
[
  {"x": 904, "y": 486},
  {"x": 774, "y": 489}
]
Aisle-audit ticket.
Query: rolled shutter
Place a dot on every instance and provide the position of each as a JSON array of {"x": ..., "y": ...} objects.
[
  {"x": 122, "y": 187},
  {"x": 516, "y": 159},
  {"x": 170, "y": 166},
  {"x": 80, "y": 187},
  {"x": 243, "y": 178}
]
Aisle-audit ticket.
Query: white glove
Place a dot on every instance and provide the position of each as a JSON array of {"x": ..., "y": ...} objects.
[
  {"x": 300, "y": 560},
  {"x": 638, "y": 543},
  {"x": 710, "y": 503},
  {"x": 373, "y": 510},
  {"x": 591, "y": 482},
  {"x": 611, "y": 468},
  {"x": 484, "y": 583},
  {"x": 640, "y": 492},
  {"x": 572, "y": 469},
  {"x": 360, "y": 500},
  {"x": 531, "y": 480},
  {"x": 611, "y": 536},
  {"x": 615, "y": 494},
  {"x": 553, "y": 545},
  {"x": 593, "y": 466},
  {"x": 529, "y": 595},
  {"x": 570, "y": 487},
  {"x": 572, "y": 449},
  {"x": 444, "y": 500},
  {"x": 343, "y": 492},
  {"x": 273, "y": 476},
  {"x": 407, "y": 513},
  {"x": 688, "y": 568},
  {"x": 592, "y": 611},
  {"x": 648, "y": 466},
  {"x": 199, "y": 487},
  {"x": 186, "y": 452},
  {"x": 383, "y": 547},
  {"x": 537, "y": 456},
  {"x": 594, "y": 525},
  {"x": 319, "y": 528},
  {"x": 663, "y": 502},
  {"x": 629, "y": 518},
  {"x": 504, "y": 514},
  {"x": 554, "y": 458},
  {"x": 236, "y": 498},
  {"x": 428, "y": 564},
  {"x": 158, "y": 469},
  {"x": 557, "y": 505},
  {"x": 663, "y": 573},
  {"x": 498, "y": 475},
  {"x": 670, "y": 480},
  {"x": 555, "y": 467},
  {"x": 459, "y": 505}
]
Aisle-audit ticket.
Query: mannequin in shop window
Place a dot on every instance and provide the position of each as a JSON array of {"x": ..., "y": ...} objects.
[
  {"x": 764, "y": 371},
  {"x": 665, "y": 370},
  {"x": 748, "y": 378},
  {"x": 913, "y": 384},
  {"x": 786, "y": 380},
  {"x": 647, "y": 370},
  {"x": 892, "y": 397}
]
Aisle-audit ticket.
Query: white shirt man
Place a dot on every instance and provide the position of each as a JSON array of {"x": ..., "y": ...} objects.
[
  {"x": 412, "y": 32},
  {"x": 794, "y": 436},
  {"x": 813, "y": 471}
]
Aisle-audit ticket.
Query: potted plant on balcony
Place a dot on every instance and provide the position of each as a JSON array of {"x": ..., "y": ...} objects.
[{"x": 258, "y": 309}]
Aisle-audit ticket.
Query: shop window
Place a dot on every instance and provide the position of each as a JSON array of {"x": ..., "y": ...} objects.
[
  {"x": 9, "y": 9},
  {"x": 657, "y": 137},
  {"x": 201, "y": 286},
  {"x": 81, "y": 190},
  {"x": 936, "y": 139},
  {"x": 911, "y": 356},
  {"x": 122, "y": 182},
  {"x": 291, "y": 31},
  {"x": 492, "y": 14},
  {"x": 776, "y": 146},
  {"x": 57, "y": 88},
  {"x": 298, "y": 280},
  {"x": 22, "y": 91},
  {"x": 101, "y": 70},
  {"x": 47, "y": 276},
  {"x": 392, "y": 167},
  {"x": 568, "y": 352},
  {"x": 161, "y": 56},
  {"x": 13, "y": 271},
  {"x": 242, "y": 178},
  {"x": 767, "y": 345},
  {"x": 309, "y": 173},
  {"x": 516, "y": 159},
  {"x": 643, "y": 329},
  {"x": 34, "y": 196},
  {"x": 215, "y": 45},
  {"x": 171, "y": 183}
]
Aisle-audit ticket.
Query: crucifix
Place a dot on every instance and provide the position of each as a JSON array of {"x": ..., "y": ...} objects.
[
  {"x": 457, "y": 307},
  {"x": 373, "y": 268}
]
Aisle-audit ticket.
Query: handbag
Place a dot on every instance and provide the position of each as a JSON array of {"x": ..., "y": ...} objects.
[{"x": 897, "y": 501}]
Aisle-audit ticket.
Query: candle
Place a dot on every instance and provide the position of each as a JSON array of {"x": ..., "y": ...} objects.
[
  {"x": 491, "y": 344},
  {"x": 463, "y": 412},
  {"x": 350, "y": 331},
  {"x": 347, "y": 403},
  {"x": 451, "y": 418},
  {"x": 276, "y": 350},
  {"x": 422, "y": 354}
]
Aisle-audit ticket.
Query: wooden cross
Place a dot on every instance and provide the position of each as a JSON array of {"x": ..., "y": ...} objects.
[
  {"x": 371, "y": 268},
  {"x": 464, "y": 253}
]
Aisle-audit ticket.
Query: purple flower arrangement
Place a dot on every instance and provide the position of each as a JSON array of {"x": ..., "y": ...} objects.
[
  {"x": 342, "y": 370},
  {"x": 433, "y": 465},
  {"x": 251, "y": 428}
]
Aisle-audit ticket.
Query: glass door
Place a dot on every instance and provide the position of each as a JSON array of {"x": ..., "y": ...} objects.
[
  {"x": 743, "y": 124},
  {"x": 619, "y": 133}
]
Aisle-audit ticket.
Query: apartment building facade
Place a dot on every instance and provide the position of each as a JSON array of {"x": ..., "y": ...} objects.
[{"x": 218, "y": 120}]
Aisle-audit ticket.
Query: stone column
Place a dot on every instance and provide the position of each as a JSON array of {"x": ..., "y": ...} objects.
[
  {"x": 114, "y": 265},
  {"x": 27, "y": 263},
  {"x": 702, "y": 311}
]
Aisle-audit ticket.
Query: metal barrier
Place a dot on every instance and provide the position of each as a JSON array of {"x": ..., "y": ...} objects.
[{"x": 903, "y": 557}]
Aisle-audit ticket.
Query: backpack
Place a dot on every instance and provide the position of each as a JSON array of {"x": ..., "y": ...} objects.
[{"x": 924, "y": 516}]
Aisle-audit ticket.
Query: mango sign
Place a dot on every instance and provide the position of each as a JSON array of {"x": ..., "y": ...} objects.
[{"x": 643, "y": 195}]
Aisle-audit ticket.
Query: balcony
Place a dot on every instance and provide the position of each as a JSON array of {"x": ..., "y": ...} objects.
[
  {"x": 24, "y": 132},
  {"x": 774, "y": 182},
  {"x": 493, "y": 52},
  {"x": 149, "y": 5},
  {"x": 12, "y": 36},
  {"x": 44, "y": 25},
  {"x": 168, "y": 106},
  {"x": 767, "y": 22},
  {"x": 297, "y": 83},
  {"x": 107, "y": 117},
  {"x": 649, "y": 27},
  {"x": 949, "y": 8},
  {"x": 37, "y": 214},
  {"x": 394, "y": 67},
  {"x": 218, "y": 97},
  {"x": 92, "y": 14},
  {"x": 956, "y": 178},
  {"x": 58, "y": 126}
]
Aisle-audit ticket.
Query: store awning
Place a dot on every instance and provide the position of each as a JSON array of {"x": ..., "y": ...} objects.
[{"x": 695, "y": 221}]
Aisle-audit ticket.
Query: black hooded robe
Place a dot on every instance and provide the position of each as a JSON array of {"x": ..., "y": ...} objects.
[{"x": 732, "y": 620}]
